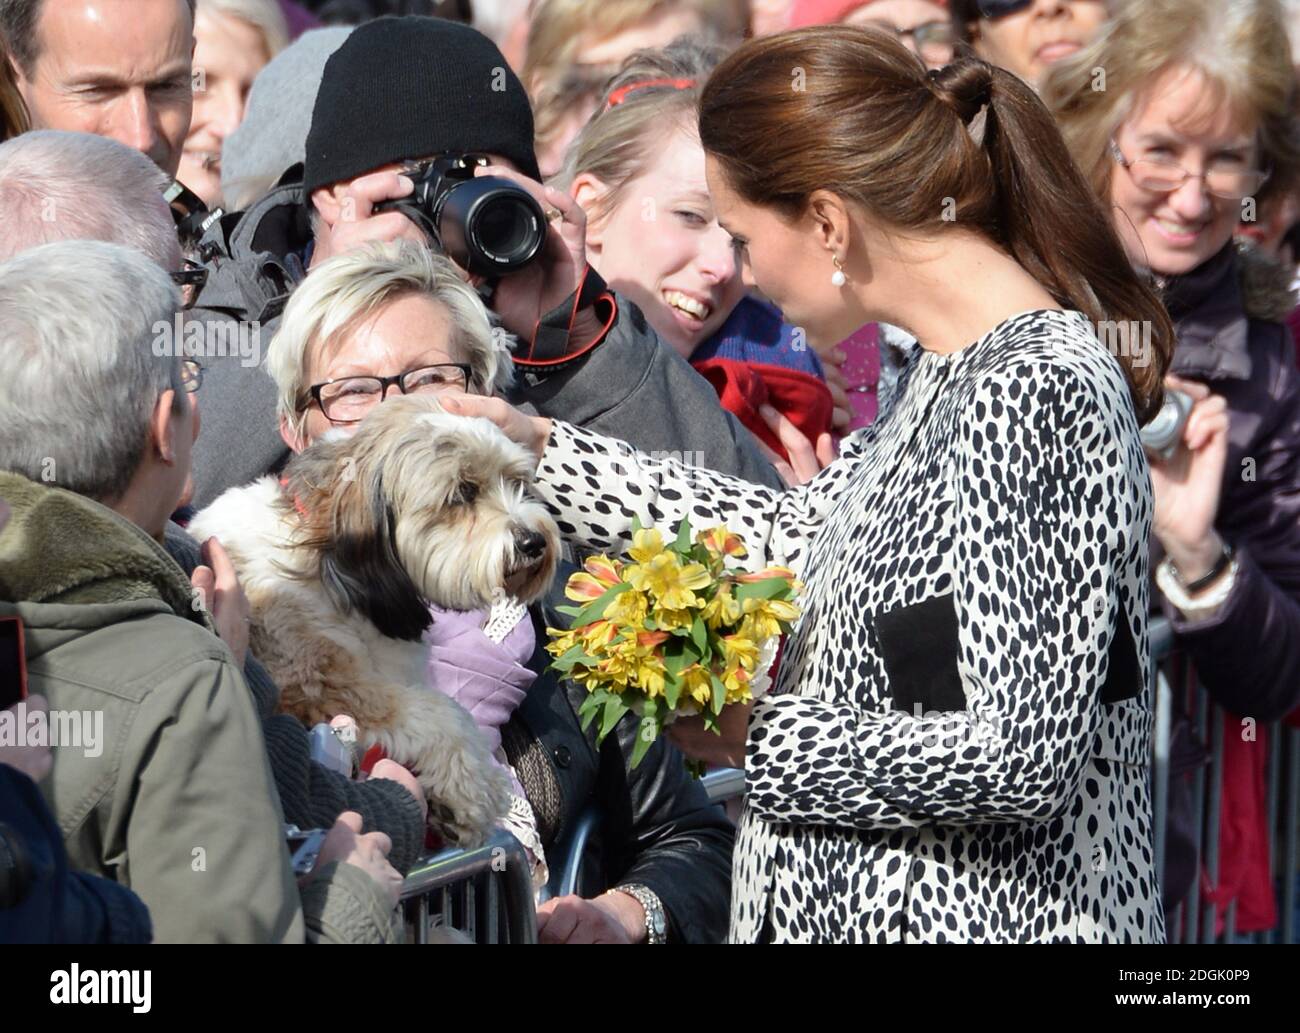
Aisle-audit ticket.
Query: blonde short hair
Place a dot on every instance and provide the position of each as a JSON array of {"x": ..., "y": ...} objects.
[
  {"x": 266, "y": 16},
  {"x": 1241, "y": 47},
  {"x": 346, "y": 289}
]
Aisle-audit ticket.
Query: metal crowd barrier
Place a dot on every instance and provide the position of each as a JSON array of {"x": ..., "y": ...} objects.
[
  {"x": 485, "y": 894},
  {"x": 721, "y": 784},
  {"x": 1194, "y": 919}
]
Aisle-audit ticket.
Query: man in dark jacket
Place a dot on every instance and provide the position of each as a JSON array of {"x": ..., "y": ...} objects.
[{"x": 406, "y": 89}]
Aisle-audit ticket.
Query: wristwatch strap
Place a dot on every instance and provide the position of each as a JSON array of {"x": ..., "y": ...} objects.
[
  {"x": 656, "y": 921},
  {"x": 1220, "y": 565}
]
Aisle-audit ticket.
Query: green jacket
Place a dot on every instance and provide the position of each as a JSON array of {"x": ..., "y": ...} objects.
[{"x": 163, "y": 783}]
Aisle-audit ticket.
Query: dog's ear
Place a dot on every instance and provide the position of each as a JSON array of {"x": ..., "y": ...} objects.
[
  {"x": 351, "y": 526},
  {"x": 361, "y": 569}
]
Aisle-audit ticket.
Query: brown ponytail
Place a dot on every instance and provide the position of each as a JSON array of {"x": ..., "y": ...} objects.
[
  {"x": 852, "y": 111},
  {"x": 13, "y": 113}
]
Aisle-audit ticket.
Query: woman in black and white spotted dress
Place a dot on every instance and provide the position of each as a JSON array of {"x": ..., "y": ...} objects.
[{"x": 957, "y": 743}]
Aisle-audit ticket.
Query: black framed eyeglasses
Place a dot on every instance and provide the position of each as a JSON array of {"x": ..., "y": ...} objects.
[
  {"x": 1163, "y": 176},
  {"x": 1000, "y": 8},
  {"x": 190, "y": 280},
  {"x": 191, "y": 375},
  {"x": 349, "y": 399}
]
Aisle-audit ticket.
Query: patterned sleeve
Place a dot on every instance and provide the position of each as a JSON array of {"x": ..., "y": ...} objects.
[
  {"x": 1043, "y": 500},
  {"x": 595, "y": 485}
]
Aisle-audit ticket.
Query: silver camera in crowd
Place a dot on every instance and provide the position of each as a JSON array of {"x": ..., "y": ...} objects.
[{"x": 1162, "y": 434}]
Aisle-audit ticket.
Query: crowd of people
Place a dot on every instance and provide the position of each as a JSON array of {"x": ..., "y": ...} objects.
[{"x": 906, "y": 289}]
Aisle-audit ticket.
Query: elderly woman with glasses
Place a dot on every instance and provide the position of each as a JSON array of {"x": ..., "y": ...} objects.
[
  {"x": 1193, "y": 130},
  {"x": 394, "y": 319}
]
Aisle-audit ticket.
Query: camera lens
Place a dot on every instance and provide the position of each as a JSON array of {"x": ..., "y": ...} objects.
[
  {"x": 503, "y": 227},
  {"x": 490, "y": 226}
]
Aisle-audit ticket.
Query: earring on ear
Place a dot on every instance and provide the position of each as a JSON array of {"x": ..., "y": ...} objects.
[{"x": 838, "y": 279}]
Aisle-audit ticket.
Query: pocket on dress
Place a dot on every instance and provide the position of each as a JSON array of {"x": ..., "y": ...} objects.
[{"x": 919, "y": 648}]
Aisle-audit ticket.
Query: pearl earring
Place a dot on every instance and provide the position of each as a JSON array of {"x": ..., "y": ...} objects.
[{"x": 838, "y": 279}]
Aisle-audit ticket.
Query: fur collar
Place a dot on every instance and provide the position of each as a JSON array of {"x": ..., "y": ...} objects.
[
  {"x": 62, "y": 548},
  {"x": 1213, "y": 307},
  {"x": 1265, "y": 283}
]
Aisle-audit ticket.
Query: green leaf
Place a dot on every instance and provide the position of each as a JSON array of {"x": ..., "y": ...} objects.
[
  {"x": 699, "y": 636},
  {"x": 768, "y": 588},
  {"x": 701, "y": 555},
  {"x": 719, "y": 693},
  {"x": 645, "y": 738},
  {"x": 590, "y": 707},
  {"x": 571, "y": 656},
  {"x": 615, "y": 708},
  {"x": 595, "y": 609},
  {"x": 678, "y": 655},
  {"x": 683, "y": 544},
  {"x": 672, "y": 687}
]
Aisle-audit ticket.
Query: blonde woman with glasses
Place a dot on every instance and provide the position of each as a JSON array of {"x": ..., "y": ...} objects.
[{"x": 1193, "y": 131}]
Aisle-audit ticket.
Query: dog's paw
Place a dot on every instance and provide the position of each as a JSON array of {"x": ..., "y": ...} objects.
[{"x": 465, "y": 808}]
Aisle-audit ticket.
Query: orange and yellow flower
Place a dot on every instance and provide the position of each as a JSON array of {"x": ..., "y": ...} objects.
[
  {"x": 672, "y": 583},
  {"x": 721, "y": 542}
]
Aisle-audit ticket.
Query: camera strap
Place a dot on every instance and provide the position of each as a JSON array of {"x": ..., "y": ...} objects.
[{"x": 552, "y": 348}]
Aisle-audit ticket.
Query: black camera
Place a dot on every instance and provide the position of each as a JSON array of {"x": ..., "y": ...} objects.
[{"x": 485, "y": 224}]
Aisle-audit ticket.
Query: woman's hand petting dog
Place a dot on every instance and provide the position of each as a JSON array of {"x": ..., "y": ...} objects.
[
  {"x": 532, "y": 432},
  {"x": 369, "y": 852},
  {"x": 610, "y": 918},
  {"x": 394, "y": 772},
  {"x": 223, "y": 598}
]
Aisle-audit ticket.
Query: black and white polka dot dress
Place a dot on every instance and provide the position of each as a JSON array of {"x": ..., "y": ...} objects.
[{"x": 957, "y": 743}]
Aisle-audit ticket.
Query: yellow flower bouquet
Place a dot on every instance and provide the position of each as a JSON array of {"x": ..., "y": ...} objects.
[{"x": 673, "y": 632}]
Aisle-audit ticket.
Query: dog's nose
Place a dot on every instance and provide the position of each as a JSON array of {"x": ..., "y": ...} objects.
[{"x": 529, "y": 543}]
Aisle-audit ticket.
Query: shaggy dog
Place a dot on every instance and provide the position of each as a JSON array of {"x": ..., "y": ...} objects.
[{"x": 340, "y": 559}]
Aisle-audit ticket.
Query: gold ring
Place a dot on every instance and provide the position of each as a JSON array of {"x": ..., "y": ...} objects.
[{"x": 553, "y": 213}]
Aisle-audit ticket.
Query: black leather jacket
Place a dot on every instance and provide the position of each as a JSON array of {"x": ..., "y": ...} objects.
[{"x": 656, "y": 824}]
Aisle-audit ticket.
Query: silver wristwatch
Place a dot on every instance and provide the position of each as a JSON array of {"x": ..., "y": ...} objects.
[{"x": 656, "y": 923}]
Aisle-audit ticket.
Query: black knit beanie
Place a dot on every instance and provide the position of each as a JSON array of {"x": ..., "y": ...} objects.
[{"x": 405, "y": 88}]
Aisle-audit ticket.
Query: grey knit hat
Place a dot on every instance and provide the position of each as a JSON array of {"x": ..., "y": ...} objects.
[{"x": 273, "y": 136}]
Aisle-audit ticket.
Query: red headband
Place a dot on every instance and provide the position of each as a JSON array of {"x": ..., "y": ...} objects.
[{"x": 618, "y": 96}]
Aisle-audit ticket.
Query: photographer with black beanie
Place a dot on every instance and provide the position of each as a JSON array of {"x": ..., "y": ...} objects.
[{"x": 402, "y": 90}]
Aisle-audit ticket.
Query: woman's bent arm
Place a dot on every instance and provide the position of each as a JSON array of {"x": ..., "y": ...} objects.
[
  {"x": 1051, "y": 527},
  {"x": 596, "y": 485}
]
